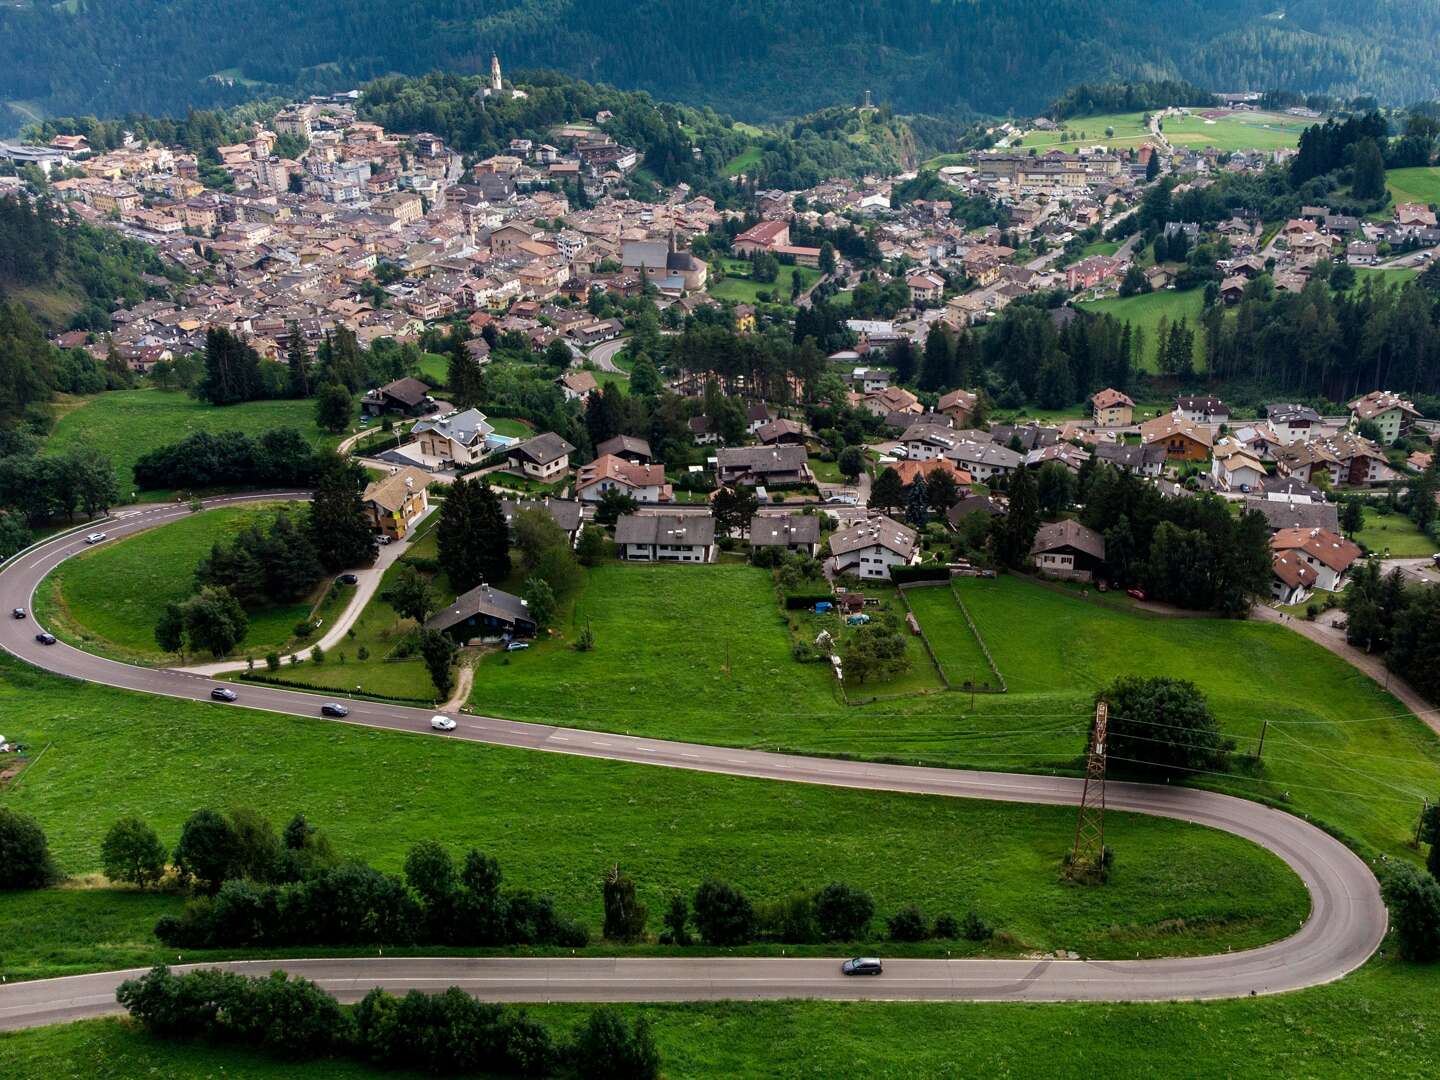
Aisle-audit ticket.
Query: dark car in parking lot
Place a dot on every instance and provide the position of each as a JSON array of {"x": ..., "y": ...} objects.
[{"x": 333, "y": 708}]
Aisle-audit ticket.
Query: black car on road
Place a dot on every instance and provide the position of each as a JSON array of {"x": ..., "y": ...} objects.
[
  {"x": 17, "y": 613},
  {"x": 333, "y": 708},
  {"x": 44, "y": 638},
  {"x": 862, "y": 965},
  {"x": 223, "y": 693}
]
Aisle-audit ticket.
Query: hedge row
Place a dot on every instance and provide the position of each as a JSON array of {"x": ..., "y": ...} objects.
[{"x": 442, "y": 1033}]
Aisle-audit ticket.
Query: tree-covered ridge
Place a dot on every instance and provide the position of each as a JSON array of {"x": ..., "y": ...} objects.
[{"x": 763, "y": 59}]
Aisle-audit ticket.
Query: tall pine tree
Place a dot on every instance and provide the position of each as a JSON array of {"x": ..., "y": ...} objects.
[{"x": 338, "y": 527}]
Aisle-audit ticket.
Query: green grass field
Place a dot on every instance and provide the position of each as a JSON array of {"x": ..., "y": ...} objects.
[
  {"x": 747, "y": 158},
  {"x": 1145, "y": 311},
  {"x": 1394, "y": 533},
  {"x": 1414, "y": 185},
  {"x": 1378, "y": 1022},
  {"x": 555, "y": 823},
  {"x": 1382, "y": 276},
  {"x": 109, "y": 598},
  {"x": 658, "y": 637},
  {"x": 955, "y": 645},
  {"x": 745, "y": 291},
  {"x": 1230, "y": 131},
  {"x": 126, "y": 424}
]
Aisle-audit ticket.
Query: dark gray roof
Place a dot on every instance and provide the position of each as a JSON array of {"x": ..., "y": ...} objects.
[
  {"x": 761, "y": 459},
  {"x": 682, "y": 530},
  {"x": 771, "y": 530},
  {"x": 481, "y": 600},
  {"x": 1126, "y": 456},
  {"x": 621, "y": 445},
  {"x": 564, "y": 512},
  {"x": 409, "y": 392},
  {"x": 543, "y": 449},
  {"x": 1069, "y": 533},
  {"x": 1031, "y": 436},
  {"x": 1284, "y": 514},
  {"x": 1285, "y": 413},
  {"x": 974, "y": 504},
  {"x": 1292, "y": 485}
]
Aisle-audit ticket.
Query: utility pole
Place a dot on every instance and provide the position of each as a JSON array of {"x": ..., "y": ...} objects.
[
  {"x": 1261, "y": 748},
  {"x": 1089, "y": 851}
]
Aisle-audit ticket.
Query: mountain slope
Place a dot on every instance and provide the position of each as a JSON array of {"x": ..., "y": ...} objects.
[{"x": 756, "y": 58}]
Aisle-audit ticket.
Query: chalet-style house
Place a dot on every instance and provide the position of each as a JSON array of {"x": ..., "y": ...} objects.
[
  {"x": 544, "y": 457},
  {"x": 392, "y": 505},
  {"x": 666, "y": 538},
  {"x": 793, "y": 532},
  {"x": 484, "y": 613},
  {"x": 870, "y": 548},
  {"x": 1066, "y": 549},
  {"x": 643, "y": 483},
  {"x": 1111, "y": 408}
]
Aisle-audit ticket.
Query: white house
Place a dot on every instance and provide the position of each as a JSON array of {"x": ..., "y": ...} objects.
[
  {"x": 643, "y": 483},
  {"x": 927, "y": 439},
  {"x": 1236, "y": 467},
  {"x": 1328, "y": 554},
  {"x": 666, "y": 538},
  {"x": 983, "y": 461},
  {"x": 463, "y": 438},
  {"x": 545, "y": 457},
  {"x": 870, "y": 548}
]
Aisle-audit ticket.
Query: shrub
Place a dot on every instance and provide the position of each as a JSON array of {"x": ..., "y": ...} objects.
[
  {"x": 206, "y": 851},
  {"x": 607, "y": 1048},
  {"x": 907, "y": 924},
  {"x": 677, "y": 914},
  {"x": 272, "y": 662},
  {"x": 317, "y": 654},
  {"x": 723, "y": 914},
  {"x": 25, "y": 861},
  {"x": 974, "y": 928},
  {"x": 585, "y": 640},
  {"x": 362, "y": 654},
  {"x": 843, "y": 912},
  {"x": 303, "y": 629},
  {"x": 947, "y": 927},
  {"x": 791, "y": 918},
  {"x": 1413, "y": 898},
  {"x": 131, "y": 852},
  {"x": 624, "y": 915}
]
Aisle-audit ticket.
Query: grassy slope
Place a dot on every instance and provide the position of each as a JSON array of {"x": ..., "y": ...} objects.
[
  {"x": 1146, "y": 311},
  {"x": 1396, "y": 534},
  {"x": 662, "y": 633},
  {"x": 955, "y": 645},
  {"x": 1379, "y": 1022},
  {"x": 743, "y": 290},
  {"x": 555, "y": 823},
  {"x": 1236, "y": 131},
  {"x": 1418, "y": 185},
  {"x": 126, "y": 424},
  {"x": 109, "y": 598}
]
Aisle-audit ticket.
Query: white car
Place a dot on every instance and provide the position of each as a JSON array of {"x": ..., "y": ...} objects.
[
  {"x": 95, "y": 538},
  {"x": 442, "y": 723}
]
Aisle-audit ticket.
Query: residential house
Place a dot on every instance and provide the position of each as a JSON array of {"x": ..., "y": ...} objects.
[
  {"x": 909, "y": 470},
  {"x": 992, "y": 506},
  {"x": 666, "y": 538},
  {"x": 1345, "y": 458},
  {"x": 1066, "y": 549},
  {"x": 462, "y": 438},
  {"x": 757, "y": 415},
  {"x": 1183, "y": 440},
  {"x": 868, "y": 549},
  {"x": 1140, "y": 460},
  {"x": 1328, "y": 554},
  {"x": 793, "y": 532},
  {"x": 409, "y": 397},
  {"x": 925, "y": 288},
  {"x": 643, "y": 483},
  {"x": 1388, "y": 411},
  {"x": 484, "y": 612},
  {"x": 703, "y": 432},
  {"x": 985, "y": 461},
  {"x": 1092, "y": 272},
  {"x": 959, "y": 405},
  {"x": 767, "y": 465},
  {"x": 577, "y": 385},
  {"x": 393, "y": 504},
  {"x": 1293, "y": 423},
  {"x": 1294, "y": 512},
  {"x": 628, "y": 447},
  {"x": 1203, "y": 410},
  {"x": 543, "y": 458},
  {"x": 1235, "y": 467},
  {"x": 1292, "y": 578},
  {"x": 1111, "y": 408},
  {"x": 928, "y": 438},
  {"x": 892, "y": 399},
  {"x": 782, "y": 431}
]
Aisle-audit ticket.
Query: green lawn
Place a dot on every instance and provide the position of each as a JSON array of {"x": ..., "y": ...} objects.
[
  {"x": 743, "y": 290},
  {"x": 556, "y": 822},
  {"x": 826, "y": 472},
  {"x": 1415, "y": 185},
  {"x": 1378, "y": 1022},
  {"x": 1147, "y": 309},
  {"x": 434, "y": 369},
  {"x": 746, "y": 159},
  {"x": 956, "y": 646},
  {"x": 126, "y": 424},
  {"x": 1382, "y": 276},
  {"x": 109, "y": 598},
  {"x": 508, "y": 425},
  {"x": 1394, "y": 533},
  {"x": 1229, "y": 131},
  {"x": 658, "y": 637}
]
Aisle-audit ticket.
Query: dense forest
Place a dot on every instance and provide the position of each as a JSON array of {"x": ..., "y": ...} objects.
[{"x": 760, "y": 60}]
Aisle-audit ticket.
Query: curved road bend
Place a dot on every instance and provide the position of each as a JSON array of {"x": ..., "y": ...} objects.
[{"x": 1346, "y": 924}]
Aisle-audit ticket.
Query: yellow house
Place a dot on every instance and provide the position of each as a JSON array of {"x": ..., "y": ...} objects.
[
  {"x": 1112, "y": 409},
  {"x": 397, "y": 502}
]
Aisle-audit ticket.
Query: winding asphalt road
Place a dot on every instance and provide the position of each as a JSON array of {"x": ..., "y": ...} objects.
[{"x": 1346, "y": 924}]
